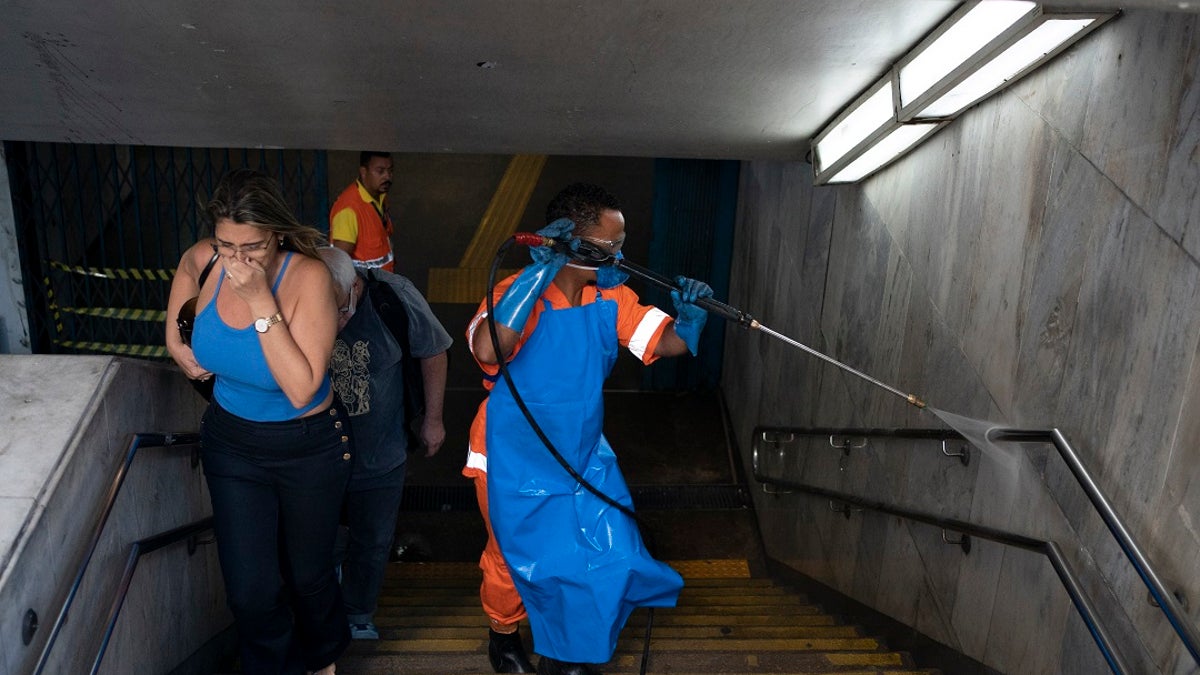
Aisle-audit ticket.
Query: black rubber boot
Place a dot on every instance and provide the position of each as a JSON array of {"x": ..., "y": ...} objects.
[
  {"x": 507, "y": 653},
  {"x": 549, "y": 666}
]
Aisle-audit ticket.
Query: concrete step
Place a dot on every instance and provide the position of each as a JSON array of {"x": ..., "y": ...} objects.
[{"x": 727, "y": 622}]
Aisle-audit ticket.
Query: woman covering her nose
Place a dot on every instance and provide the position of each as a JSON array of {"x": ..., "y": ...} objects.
[{"x": 276, "y": 443}]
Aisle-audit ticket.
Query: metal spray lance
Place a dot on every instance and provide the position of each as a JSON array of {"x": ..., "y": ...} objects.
[{"x": 585, "y": 252}]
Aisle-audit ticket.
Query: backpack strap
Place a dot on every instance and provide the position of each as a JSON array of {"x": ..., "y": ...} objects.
[{"x": 390, "y": 309}]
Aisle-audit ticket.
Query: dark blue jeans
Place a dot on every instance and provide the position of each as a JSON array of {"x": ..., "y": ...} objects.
[
  {"x": 277, "y": 491},
  {"x": 372, "y": 508}
]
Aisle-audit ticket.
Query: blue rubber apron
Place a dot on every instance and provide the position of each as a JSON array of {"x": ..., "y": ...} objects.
[{"x": 578, "y": 563}]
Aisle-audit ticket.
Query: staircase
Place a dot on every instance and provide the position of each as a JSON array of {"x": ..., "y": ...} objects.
[{"x": 430, "y": 623}]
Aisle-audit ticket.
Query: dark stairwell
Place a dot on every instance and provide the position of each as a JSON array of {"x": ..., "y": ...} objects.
[{"x": 739, "y": 612}]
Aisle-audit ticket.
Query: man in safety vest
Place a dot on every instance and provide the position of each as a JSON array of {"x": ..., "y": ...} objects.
[
  {"x": 557, "y": 554},
  {"x": 359, "y": 223}
]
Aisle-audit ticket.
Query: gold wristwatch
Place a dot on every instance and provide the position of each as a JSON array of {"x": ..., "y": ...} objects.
[{"x": 263, "y": 324}]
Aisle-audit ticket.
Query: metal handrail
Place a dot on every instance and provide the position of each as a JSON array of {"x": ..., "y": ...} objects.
[
  {"x": 1166, "y": 601},
  {"x": 136, "y": 441},
  {"x": 136, "y": 551},
  {"x": 1070, "y": 581}
]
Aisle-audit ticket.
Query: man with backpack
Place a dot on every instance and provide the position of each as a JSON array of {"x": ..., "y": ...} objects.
[{"x": 389, "y": 369}]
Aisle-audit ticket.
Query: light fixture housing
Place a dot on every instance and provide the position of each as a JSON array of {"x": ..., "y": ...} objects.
[
  {"x": 865, "y": 137},
  {"x": 982, "y": 47}
]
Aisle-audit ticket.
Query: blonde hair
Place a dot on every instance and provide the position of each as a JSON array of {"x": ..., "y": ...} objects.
[{"x": 250, "y": 197}]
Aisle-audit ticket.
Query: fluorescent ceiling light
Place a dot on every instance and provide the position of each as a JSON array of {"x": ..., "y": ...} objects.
[
  {"x": 956, "y": 41},
  {"x": 1027, "y": 52},
  {"x": 891, "y": 146},
  {"x": 981, "y": 48},
  {"x": 872, "y": 112}
]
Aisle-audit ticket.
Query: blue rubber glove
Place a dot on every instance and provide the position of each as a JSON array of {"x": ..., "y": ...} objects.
[
  {"x": 556, "y": 230},
  {"x": 518, "y": 301},
  {"x": 689, "y": 319}
]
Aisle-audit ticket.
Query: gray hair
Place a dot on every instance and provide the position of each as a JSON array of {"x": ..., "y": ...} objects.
[{"x": 341, "y": 267}]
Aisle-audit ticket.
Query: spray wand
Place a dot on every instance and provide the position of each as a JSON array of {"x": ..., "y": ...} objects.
[
  {"x": 750, "y": 323},
  {"x": 584, "y": 251}
]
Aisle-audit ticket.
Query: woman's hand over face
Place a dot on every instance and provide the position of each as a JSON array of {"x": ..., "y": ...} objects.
[{"x": 248, "y": 279}]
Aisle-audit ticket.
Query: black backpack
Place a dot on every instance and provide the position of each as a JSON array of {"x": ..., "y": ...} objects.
[{"x": 391, "y": 310}]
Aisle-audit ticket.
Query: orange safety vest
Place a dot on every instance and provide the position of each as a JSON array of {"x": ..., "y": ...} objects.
[{"x": 373, "y": 249}]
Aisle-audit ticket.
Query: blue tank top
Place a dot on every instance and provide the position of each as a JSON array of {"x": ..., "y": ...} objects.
[{"x": 245, "y": 385}]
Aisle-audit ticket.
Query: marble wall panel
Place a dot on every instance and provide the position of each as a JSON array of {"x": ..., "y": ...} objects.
[
  {"x": 1080, "y": 208},
  {"x": 939, "y": 563},
  {"x": 801, "y": 542},
  {"x": 889, "y": 575},
  {"x": 161, "y": 490},
  {"x": 1141, "y": 127},
  {"x": 804, "y": 548},
  {"x": 842, "y": 538},
  {"x": 1133, "y": 343},
  {"x": 1098, "y": 562},
  {"x": 857, "y": 275},
  {"x": 937, "y": 483},
  {"x": 975, "y": 596},
  {"x": 1178, "y": 514},
  {"x": 867, "y": 556},
  {"x": 938, "y": 207},
  {"x": 1024, "y": 605},
  {"x": 1062, "y": 94},
  {"x": 1009, "y": 228}
]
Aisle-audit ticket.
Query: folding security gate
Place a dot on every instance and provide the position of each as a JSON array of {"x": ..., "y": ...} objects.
[{"x": 101, "y": 229}]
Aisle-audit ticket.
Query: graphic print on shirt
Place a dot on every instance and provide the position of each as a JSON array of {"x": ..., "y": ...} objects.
[{"x": 351, "y": 376}]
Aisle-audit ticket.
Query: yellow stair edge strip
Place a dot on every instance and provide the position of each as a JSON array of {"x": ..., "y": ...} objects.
[
  {"x": 688, "y": 569},
  {"x": 848, "y": 650},
  {"x": 865, "y": 659},
  {"x": 712, "y": 569}
]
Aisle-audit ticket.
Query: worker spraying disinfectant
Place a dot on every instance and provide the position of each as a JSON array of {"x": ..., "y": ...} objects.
[{"x": 564, "y": 547}]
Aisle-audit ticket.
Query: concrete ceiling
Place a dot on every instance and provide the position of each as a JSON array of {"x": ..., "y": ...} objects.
[{"x": 736, "y": 79}]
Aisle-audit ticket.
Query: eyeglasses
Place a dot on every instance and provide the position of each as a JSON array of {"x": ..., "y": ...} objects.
[
  {"x": 230, "y": 250},
  {"x": 611, "y": 245}
]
